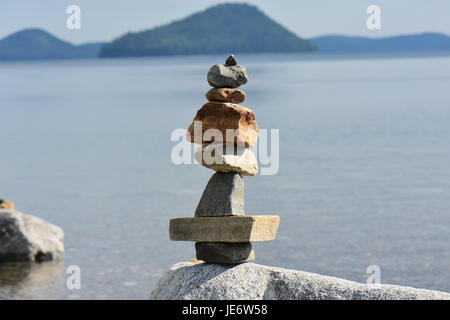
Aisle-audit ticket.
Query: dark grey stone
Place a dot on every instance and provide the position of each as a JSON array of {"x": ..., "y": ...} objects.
[
  {"x": 231, "y": 61},
  {"x": 223, "y": 196},
  {"x": 224, "y": 252},
  {"x": 223, "y": 76}
]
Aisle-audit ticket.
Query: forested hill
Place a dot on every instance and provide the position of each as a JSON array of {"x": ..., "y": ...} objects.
[
  {"x": 225, "y": 28},
  {"x": 36, "y": 44}
]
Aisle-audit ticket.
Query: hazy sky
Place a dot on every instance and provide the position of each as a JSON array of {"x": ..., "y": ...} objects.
[{"x": 106, "y": 19}]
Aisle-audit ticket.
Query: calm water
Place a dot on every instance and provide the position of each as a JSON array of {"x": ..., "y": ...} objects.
[{"x": 364, "y": 167}]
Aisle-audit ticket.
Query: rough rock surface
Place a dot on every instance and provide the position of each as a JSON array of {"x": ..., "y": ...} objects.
[
  {"x": 224, "y": 122},
  {"x": 223, "y": 196},
  {"x": 28, "y": 238},
  {"x": 224, "y": 252},
  {"x": 187, "y": 281},
  {"x": 224, "y": 229},
  {"x": 215, "y": 156},
  {"x": 225, "y": 95},
  {"x": 223, "y": 76}
]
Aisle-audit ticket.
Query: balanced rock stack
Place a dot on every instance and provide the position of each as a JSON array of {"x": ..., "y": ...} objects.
[{"x": 225, "y": 131}]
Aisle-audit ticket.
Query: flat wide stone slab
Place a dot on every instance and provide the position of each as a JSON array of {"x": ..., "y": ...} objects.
[
  {"x": 224, "y": 229},
  {"x": 224, "y": 252}
]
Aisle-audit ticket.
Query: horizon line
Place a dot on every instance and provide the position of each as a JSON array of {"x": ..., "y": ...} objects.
[{"x": 305, "y": 38}]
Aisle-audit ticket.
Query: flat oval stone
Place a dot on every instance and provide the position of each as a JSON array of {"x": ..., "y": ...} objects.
[
  {"x": 225, "y": 95},
  {"x": 222, "y": 76}
]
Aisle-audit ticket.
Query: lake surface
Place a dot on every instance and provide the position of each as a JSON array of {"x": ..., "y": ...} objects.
[{"x": 364, "y": 175}]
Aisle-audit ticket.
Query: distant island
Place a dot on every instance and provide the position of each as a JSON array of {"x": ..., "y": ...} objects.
[
  {"x": 425, "y": 42},
  {"x": 225, "y": 28},
  {"x": 221, "y": 29},
  {"x": 37, "y": 44}
]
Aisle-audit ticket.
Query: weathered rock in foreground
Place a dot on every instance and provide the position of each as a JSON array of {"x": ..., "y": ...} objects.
[
  {"x": 249, "y": 281},
  {"x": 223, "y": 196},
  {"x": 224, "y": 229},
  {"x": 224, "y": 252},
  {"x": 224, "y": 76},
  {"x": 28, "y": 238},
  {"x": 215, "y": 156},
  {"x": 239, "y": 121},
  {"x": 225, "y": 95}
]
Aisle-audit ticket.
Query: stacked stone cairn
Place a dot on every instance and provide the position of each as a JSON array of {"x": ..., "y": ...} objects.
[{"x": 225, "y": 131}]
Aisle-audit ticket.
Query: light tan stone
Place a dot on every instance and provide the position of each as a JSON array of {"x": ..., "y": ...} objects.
[
  {"x": 7, "y": 205},
  {"x": 224, "y": 229},
  {"x": 224, "y": 119},
  {"x": 216, "y": 156},
  {"x": 195, "y": 261}
]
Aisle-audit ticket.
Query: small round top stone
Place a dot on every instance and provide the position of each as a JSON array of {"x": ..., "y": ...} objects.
[{"x": 231, "y": 61}]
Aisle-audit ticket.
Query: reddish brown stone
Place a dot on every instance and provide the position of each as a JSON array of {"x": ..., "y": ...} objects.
[
  {"x": 225, "y": 95},
  {"x": 222, "y": 116}
]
